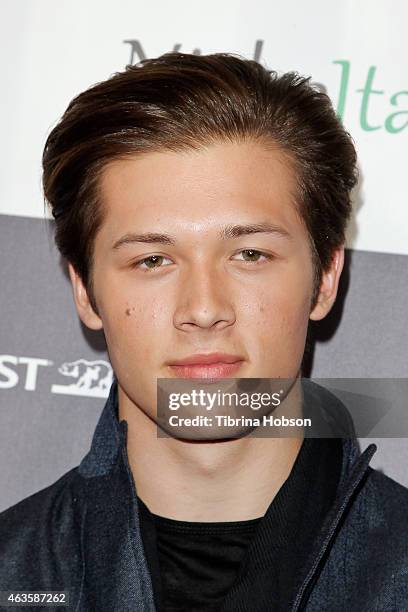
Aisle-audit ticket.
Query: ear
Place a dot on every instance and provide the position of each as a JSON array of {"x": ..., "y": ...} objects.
[
  {"x": 85, "y": 311},
  {"x": 329, "y": 286}
]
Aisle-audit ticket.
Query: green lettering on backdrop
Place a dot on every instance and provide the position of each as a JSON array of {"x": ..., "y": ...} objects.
[
  {"x": 344, "y": 80},
  {"x": 392, "y": 123},
  {"x": 389, "y": 126},
  {"x": 367, "y": 91}
]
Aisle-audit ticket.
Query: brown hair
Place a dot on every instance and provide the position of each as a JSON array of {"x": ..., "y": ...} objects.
[{"x": 179, "y": 101}]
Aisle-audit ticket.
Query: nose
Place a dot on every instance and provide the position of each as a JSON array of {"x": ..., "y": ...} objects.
[{"x": 204, "y": 299}]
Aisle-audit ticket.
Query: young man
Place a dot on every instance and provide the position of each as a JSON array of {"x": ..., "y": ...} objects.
[{"x": 201, "y": 204}]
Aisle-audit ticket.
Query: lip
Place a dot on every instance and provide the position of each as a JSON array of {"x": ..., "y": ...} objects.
[
  {"x": 207, "y": 358},
  {"x": 208, "y": 366}
]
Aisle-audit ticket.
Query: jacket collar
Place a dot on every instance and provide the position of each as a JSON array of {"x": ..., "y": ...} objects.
[{"x": 108, "y": 441}]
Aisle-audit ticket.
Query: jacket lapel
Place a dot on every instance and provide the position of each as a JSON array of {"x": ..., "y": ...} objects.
[
  {"x": 352, "y": 476},
  {"x": 115, "y": 573}
]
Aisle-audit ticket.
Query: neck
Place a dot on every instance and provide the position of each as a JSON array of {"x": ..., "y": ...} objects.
[{"x": 232, "y": 480}]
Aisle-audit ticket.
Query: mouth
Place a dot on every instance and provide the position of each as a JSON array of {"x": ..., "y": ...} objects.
[{"x": 209, "y": 366}]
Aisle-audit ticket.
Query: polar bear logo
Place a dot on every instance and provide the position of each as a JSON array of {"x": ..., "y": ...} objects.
[{"x": 93, "y": 378}]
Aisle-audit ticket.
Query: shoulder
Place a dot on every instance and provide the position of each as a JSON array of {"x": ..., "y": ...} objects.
[
  {"x": 376, "y": 527},
  {"x": 30, "y": 512},
  {"x": 39, "y": 533},
  {"x": 366, "y": 568},
  {"x": 379, "y": 507},
  {"x": 388, "y": 495}
]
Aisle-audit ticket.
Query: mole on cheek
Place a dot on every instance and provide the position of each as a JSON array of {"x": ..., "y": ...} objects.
[{"x": 128, "y": 311}]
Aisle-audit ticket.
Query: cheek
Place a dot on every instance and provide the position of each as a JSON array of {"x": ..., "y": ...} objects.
[
  {"x": 139, "y": 316},
  {"x": 133, "y": 329},
  {"x": 279, "y": 319},
  {"x": 143, "y": 322}
]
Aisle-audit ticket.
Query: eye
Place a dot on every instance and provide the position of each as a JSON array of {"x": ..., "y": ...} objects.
[
  {"x": 252, "y": 255},
  {"x": 150, "y": 263},
  {"x": 156, "y": 261}
]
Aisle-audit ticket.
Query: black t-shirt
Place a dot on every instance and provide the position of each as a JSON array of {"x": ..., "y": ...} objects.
[
  {"x": 198, "y": 562},
  {"x": 243, "y": 565}
]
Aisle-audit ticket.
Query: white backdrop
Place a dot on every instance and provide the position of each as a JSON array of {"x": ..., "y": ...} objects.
[{"x": 53, "y": 49}]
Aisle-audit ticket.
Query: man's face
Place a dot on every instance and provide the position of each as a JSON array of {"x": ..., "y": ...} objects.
[{"x": 199, "y": 291}]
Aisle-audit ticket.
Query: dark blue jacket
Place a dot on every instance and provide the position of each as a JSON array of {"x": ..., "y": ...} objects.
[{"x": 82, "y": 534}]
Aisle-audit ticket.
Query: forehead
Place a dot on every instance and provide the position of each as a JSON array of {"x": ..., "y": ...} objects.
[{"x": 243, "y": 179}]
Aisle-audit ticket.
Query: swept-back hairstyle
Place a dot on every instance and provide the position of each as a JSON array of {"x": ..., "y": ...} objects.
[{"x": 182, "y": 101}]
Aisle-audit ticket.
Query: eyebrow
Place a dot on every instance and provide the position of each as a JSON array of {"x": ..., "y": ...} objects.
[{"x": 229, "y": 231}]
